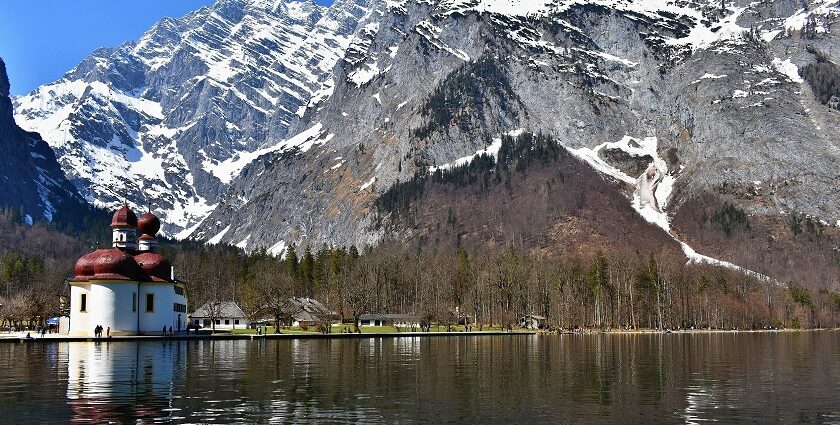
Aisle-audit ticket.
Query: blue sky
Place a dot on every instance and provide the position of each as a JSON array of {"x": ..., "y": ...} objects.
[{"x": 42, "y": 39}]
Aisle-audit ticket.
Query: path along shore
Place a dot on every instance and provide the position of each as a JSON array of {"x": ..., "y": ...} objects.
[{"x": 21, "y": 336}]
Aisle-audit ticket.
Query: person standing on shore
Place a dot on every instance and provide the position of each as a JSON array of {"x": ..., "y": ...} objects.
[{"x": 108, "y": 332}]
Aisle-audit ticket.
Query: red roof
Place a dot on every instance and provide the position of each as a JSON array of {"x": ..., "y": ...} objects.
[
  {"x": 124, "y": 217},
  {"x": 155, "y": 266},
  {"x": 149, "y": 224},
  {"x": 116, "y": 264},
  {"x": 108, "y": 264}
]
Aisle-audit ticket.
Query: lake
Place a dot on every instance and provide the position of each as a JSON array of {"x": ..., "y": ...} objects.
[{"x": 670, "y": 378}]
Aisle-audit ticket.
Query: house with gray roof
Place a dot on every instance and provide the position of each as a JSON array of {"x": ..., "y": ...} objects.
[
  {"x": 309, "y": 311},
  {"x": 219, "y": 315},
  {"x": 389, "y": 319}
]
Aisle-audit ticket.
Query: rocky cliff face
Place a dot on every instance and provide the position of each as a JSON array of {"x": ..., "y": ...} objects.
[
  {"x": 32, "y": 182},
  {"x": 169, "y": 120},
  {"x": 713, "y": 91},
  {"x": 277, "y": 145}
]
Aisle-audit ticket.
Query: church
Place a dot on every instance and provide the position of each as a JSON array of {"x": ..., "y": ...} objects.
[{"x": 128, "y": 289}]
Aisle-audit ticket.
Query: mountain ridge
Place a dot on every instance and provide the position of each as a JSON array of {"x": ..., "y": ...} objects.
[
  {"x": 33, "y": 185},
  {"x": 420, "y": 84}
]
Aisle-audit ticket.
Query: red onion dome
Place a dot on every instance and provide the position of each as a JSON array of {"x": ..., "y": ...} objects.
[
  {"x": 149, "y": 224},
  {"x": 158, "y": 268},
  {"x": 84, "y": 267},
  {"x": 124, "y": 217},
  {"x": 114, "y": 264}
]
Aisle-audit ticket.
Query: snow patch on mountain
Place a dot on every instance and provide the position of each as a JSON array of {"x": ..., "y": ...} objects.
[
  {"x": 227, "y": 170},
  {"x": 278, "y": 249},
  {"x": 789, "y": 69},
  {"x": 218, "y": 238},
  {"x": 491, "y": 150},
  {"x": 658, "y": 216}
]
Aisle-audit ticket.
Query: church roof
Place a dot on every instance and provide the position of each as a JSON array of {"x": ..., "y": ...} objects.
[
  {"x": 124, "y": 217},
  {"x": 121, "y": 264},
  {"x": 148, "y": 224},
  {"x": 155, "y": 266},
  {"x": 107, "y": 264}
]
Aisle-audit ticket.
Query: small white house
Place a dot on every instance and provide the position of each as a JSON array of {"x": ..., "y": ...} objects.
[
  {"x": 227, "y": 315},
  {"x": 400, "y": 320}
]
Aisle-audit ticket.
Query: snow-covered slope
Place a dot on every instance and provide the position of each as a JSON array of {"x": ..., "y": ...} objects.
[
  {"x": 154, "y": 121},
  {"x": 282, "y": 122},
  {"x": 699, "y": 77}
]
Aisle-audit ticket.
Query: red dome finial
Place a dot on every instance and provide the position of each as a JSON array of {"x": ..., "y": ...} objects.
[
  {"x": 124, "y": 217},
  {"x": 149, "y": 224}
]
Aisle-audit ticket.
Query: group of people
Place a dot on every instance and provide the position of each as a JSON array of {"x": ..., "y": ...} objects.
[{"x": 97, "y": 331}]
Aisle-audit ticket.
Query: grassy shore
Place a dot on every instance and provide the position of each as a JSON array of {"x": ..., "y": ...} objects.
[
  {"x": 337, "y": 329},
  {"x": 295, "y": 330}
]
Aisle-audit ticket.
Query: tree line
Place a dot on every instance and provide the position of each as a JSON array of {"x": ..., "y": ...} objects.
[{"x": 607, "y": 290}]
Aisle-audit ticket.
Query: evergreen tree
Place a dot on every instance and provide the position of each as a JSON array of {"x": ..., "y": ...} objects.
[
  {"x": 307, "y": 271},
  {"x": 292, "y": 264}
]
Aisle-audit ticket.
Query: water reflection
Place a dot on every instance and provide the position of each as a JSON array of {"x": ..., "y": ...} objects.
[
  {"x": 122, "y": 381},
  {"x": 524, "y": 379}
]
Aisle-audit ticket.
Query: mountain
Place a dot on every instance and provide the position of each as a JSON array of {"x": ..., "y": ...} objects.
[
  {"x": 168, "y": 120},
  {"x": 713, "y": 121},
  {"x": 32, "y": 182}
]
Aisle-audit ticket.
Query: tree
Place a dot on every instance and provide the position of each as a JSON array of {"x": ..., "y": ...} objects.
[
  {"x": 307, "y": 272},
  {"x": 292, "y": 266},
  {"x": 462, "y": 280},
  {"x": 599, "y": 280}
]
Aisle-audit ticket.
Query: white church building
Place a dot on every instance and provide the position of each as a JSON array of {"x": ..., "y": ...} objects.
[{"x": 128, "y": 288}]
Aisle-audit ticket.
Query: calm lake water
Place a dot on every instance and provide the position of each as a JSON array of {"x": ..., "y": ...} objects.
[{"x": 755, "y": 378}]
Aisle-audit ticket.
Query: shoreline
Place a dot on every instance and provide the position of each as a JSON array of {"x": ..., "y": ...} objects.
[{"x": 252, "y": 337}]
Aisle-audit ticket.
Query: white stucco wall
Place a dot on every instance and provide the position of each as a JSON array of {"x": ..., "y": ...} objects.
[
  {"x": 243, "y": 323},
  {"x": 79, "y": 321},
  {"x": 152, "y": 323},
  {"x": 183, "y": 316},
  {"x": 112, "y": 307},
  {"x": 110, "y": 304}
]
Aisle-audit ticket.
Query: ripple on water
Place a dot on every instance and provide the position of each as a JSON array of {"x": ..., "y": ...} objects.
[{"x": 790, "y": 377}]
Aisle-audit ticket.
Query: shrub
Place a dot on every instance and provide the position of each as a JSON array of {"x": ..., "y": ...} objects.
[
  {"x": 801, "y": 296},
  {"x": 730, "y": 218},
  {"x": 823, "y": 77}
]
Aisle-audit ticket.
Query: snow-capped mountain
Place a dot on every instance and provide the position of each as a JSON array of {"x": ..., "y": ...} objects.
[
  {"x": 715, "y": 84},
  {"x": 244, "y": 137},
  {"x": 168, "y": 120},
  {"x": 31, "y": 181}
]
